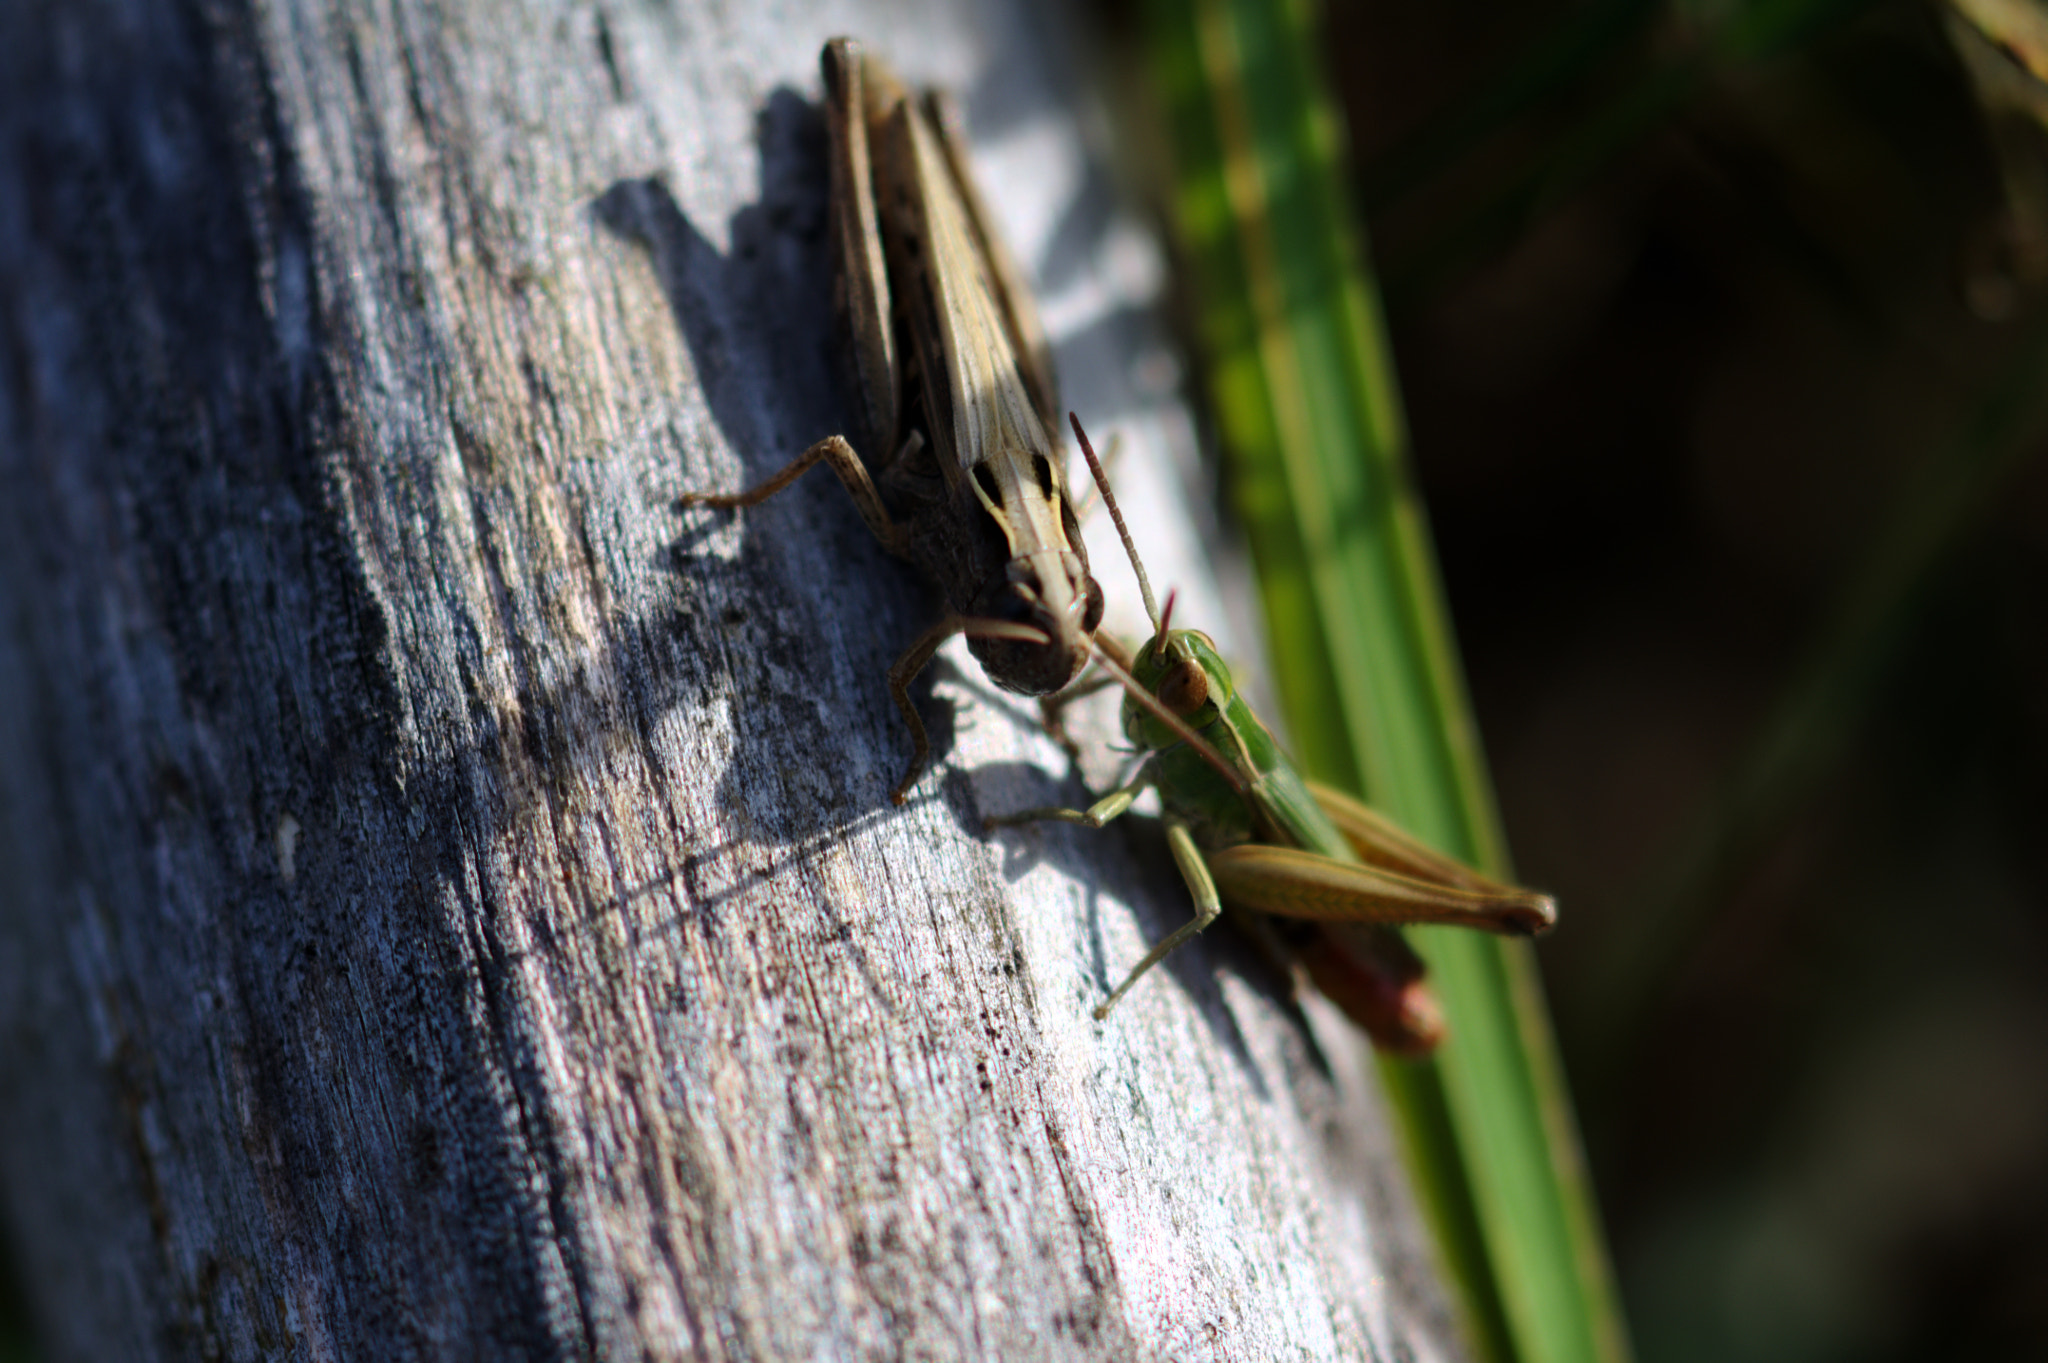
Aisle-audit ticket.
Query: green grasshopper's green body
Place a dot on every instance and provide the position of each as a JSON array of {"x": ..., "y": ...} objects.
[
  {"x": 1249, "y": 831},
  {"x": 1280, "y": 808}
]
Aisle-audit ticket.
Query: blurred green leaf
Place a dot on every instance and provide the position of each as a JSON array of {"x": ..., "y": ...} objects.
[{"x": 1309, "y": 414}]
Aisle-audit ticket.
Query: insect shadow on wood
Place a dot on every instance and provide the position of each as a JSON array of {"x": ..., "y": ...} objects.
[
  {"x": 708, "y": 889},
  {"x": 758, "y": 321},
  {"x": 763, "y": 307}
]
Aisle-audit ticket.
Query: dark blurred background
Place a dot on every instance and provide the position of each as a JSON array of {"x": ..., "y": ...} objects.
[{"x": 1722, "y": 335}]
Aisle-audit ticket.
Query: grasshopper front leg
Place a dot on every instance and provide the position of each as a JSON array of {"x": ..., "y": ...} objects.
[
  {"x": 836, "y": 453},
  {"x": 1052, "y": 712},
  {"x": 1187, "y": 855},
  {"x": 901, "y": 674},
  {"x": 1195, "y": 871},
  {"x": 1110, "y": 806}
]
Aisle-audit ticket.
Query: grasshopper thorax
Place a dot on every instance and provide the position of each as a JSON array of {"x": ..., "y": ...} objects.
[{"x": 1188, "y": 676}]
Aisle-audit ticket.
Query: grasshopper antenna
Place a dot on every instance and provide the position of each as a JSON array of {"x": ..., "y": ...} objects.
[
  {"x": 1120, "y": 670},
  {"x": 1116, "y": 514}
]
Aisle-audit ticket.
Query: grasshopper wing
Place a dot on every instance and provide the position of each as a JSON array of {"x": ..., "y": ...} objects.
[
  {"x": 1013, "y": 296},
  {"x": 1379, "y": 841},
  {"x": 860, "y": 279},
  {"x": 1292, "y": 883}
]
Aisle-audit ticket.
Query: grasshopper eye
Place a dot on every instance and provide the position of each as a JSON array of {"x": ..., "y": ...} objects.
[{"x": 1185, "y": 687}]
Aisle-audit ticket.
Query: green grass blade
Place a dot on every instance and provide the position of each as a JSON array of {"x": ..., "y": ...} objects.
[{"x": 1309, "y": 413}]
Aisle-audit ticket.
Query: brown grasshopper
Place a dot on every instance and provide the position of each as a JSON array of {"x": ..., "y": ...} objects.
[{"x": 956, "y": 387}]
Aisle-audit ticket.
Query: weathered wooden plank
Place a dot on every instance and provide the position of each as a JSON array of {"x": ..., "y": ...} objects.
[{"x": 453, "y": 906}]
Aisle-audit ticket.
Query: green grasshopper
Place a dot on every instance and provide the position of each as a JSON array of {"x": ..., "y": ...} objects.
[
  {"x": 955, "y": 381},
  {"x": 1247, "y": 830}
]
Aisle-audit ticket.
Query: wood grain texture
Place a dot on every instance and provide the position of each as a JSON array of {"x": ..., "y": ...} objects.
[{"x": 452, "y": 907}]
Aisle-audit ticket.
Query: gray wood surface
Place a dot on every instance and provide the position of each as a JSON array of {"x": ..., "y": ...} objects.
[{"x": 451, "y": 902}]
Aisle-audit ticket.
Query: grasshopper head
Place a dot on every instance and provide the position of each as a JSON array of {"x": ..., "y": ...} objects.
[
  {"x": 1184, "y": 671},
  {"x": 1053, "y": 594}
]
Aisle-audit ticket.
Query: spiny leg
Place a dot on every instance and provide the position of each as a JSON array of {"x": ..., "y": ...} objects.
[
  {"x": 901, "y": 673},
  {"x": 1195, "y": 872},
  {"x": 905, "y": 669},
  {"x": 1096, "y": 815},
  {"x": 835, "y": 452}
]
